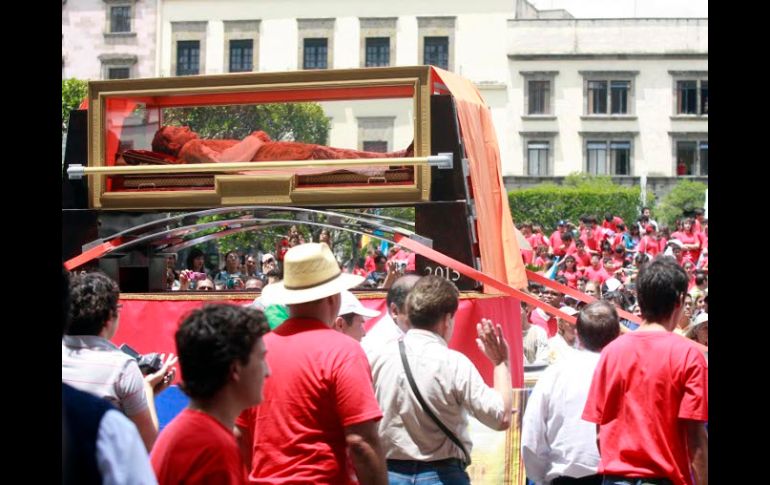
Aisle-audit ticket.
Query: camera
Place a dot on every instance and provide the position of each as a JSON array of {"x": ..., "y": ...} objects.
[
  {"x": 148, "y": 363},
  {"x": 401, "y": 265},
  {"x": 198, "y": 276}
]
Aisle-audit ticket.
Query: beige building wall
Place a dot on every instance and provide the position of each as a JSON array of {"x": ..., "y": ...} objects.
[
  {"x": 89, "y": 48},
  {"x": 650, "y": 52}
]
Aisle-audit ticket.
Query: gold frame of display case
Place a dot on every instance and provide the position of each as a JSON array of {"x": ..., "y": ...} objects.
[{"x": 280, "y": 189}]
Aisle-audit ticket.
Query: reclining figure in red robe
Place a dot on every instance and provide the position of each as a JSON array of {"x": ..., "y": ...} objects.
[{"x": 183, "y": 143}]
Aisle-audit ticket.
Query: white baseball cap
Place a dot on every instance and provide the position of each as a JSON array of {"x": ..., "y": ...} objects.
[
  {"x": 350, "y": 304},
  {"x": 569, "y": 310},
  {"x": 613, "y": 284},
  {"x": 267, "y": 257}
]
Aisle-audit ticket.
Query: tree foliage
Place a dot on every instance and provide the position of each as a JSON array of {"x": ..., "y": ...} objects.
[
  {"x": 73, "y": 91},
  {"x": 581, "y": 194},
  {"x": 302, "y": 122},
  {"x": 684, "y": 197}
]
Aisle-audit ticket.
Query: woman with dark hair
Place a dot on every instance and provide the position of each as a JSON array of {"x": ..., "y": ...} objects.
[
  {"x": 230, "y": 276},
  {"x": 194, "y": 269},
  {"x": 196, "y": 261},
  {"x": 570, "y": 271},
  {"x": 690, "y": 240}
]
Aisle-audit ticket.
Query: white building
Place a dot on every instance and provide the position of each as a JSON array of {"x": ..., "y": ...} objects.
[
  {"x": 624, "y": 97},
  {"x": 109, "y": 39}
]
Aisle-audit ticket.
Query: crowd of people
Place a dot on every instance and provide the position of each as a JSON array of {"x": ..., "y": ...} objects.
[
  {"x": 603, "y": 261},
  {"x": 317, "y": 399}
]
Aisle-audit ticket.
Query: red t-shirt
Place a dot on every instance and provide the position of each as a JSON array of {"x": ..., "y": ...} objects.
[
  {"x": 583, "y": 260},
  {"x": 692, "y": 254},
  {"x": 648, "y": 245},
  {"x": 402, "y": 255},
  {"x": 644, "y": 387},
  {"x": 543, "y": 320},
  {"x": 555, "y": 241},
  {"x": 369, "y": 264},
  {"x": 536, "y": 240},
  {"x": 612, "y": 225},
  {"x": 696, "y": 227},
  {"x": 320, "y": 383},
  {"x": 599, "y": 275},
  {"x": 196, "y": 448},
  {"x": 571, "y": 277},
  {"x": 597, "y": 237}
]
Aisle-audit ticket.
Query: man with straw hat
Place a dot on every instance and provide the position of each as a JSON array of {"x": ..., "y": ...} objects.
[{"x": 319, "y": 414}]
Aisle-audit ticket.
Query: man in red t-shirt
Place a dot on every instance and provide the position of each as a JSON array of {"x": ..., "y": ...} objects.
[
  {"x": 319, "y": 414},
  {"x": 222, "y": 356},
  {"x": 555, "y": 239},
  {"x": 582, "y": 257},
  {"x": 596, "y": 271},
  {"x": 649, "y": 394},
  {"x": 611, "y": 222}
]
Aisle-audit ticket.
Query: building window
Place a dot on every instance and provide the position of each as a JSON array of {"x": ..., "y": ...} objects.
[
  {"x": 378, "y": 146},
  {"x": 619, "y": 96},
  {"x": 692, "y": 157},
  {"x": 608, "y": 157},
  {"x": 539, "y": 97},
  {"x": 609, "y": 93},
  {"x": 378, "y": 41},
  {"x": 118, "y": 72},
  {"x": 241, "y": 45},
  {"x": 436, "y": 52},
  {"x": 187, "y": 57},
  {"x": 377, "y": 51},
  {"x": 537, "y": 158},
  {"x": 597, "y": 97},
  {"x": 375, "y": 133},
  {"x": 692, "y": 97},
  {"x": 241, "y": 55},
  {"x": 616, "y": 97},
  {"x": 120, "y": 18},
  {"x": 315, "y": 54}
]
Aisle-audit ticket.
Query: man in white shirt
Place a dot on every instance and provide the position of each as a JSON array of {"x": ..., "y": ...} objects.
[
  {"x": 558, "y": 447},
  {"x": 535, "y": 339},
  {"x": 566, "y": 340},
  {"x": 416, "y": 448},
  {"x": 394, "y": 323},
  {"x": 99, "y": 443}
]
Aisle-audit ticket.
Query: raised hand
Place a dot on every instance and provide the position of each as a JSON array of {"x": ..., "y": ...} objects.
[{"x": 491, "y": 341}]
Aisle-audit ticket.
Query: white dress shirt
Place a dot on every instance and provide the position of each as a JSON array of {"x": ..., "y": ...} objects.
[
  {"x": 380, "y": 334},
  {"x": 120, "y": 453},
  {"x": 448, "y": 382},
  {"x": 555, "y": 441}
]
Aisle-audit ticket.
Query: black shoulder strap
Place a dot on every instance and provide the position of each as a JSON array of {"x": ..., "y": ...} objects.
[{"x": 425, "y": 407}]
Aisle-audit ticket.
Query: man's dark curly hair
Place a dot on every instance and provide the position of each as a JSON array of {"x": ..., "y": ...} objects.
[
  {"x": 210, "y": 339},
  {"x": 93, "y": 301}
]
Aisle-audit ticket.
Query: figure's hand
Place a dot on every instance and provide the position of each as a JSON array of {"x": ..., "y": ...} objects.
[
  {"x": 160, "y": 380},
  {"x": 185, "y": 276},
  {"x": 491, "y": 341}
]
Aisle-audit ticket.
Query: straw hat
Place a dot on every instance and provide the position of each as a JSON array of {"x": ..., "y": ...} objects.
[{"x": 311, "y": 273}]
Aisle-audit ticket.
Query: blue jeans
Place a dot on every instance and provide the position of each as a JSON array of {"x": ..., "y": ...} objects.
[
  {"x": 612, "y": 480},
  {"x": 444, "y": 472}
]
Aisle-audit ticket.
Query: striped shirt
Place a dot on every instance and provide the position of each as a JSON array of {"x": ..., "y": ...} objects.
[{"x": 95, "y": 365}]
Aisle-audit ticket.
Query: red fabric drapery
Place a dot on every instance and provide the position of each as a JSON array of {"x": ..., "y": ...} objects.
[{"x": 149, "y": 326}]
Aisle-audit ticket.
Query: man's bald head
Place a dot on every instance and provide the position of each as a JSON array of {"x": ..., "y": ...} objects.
[
  {"x": 396, "y": 299},
  {"x": 597, "y": 325},
  {"x": 400, "y": 289}
]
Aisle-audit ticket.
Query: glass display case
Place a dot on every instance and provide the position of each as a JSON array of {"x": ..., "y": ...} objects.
[{"x": 356, "y": 136}]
